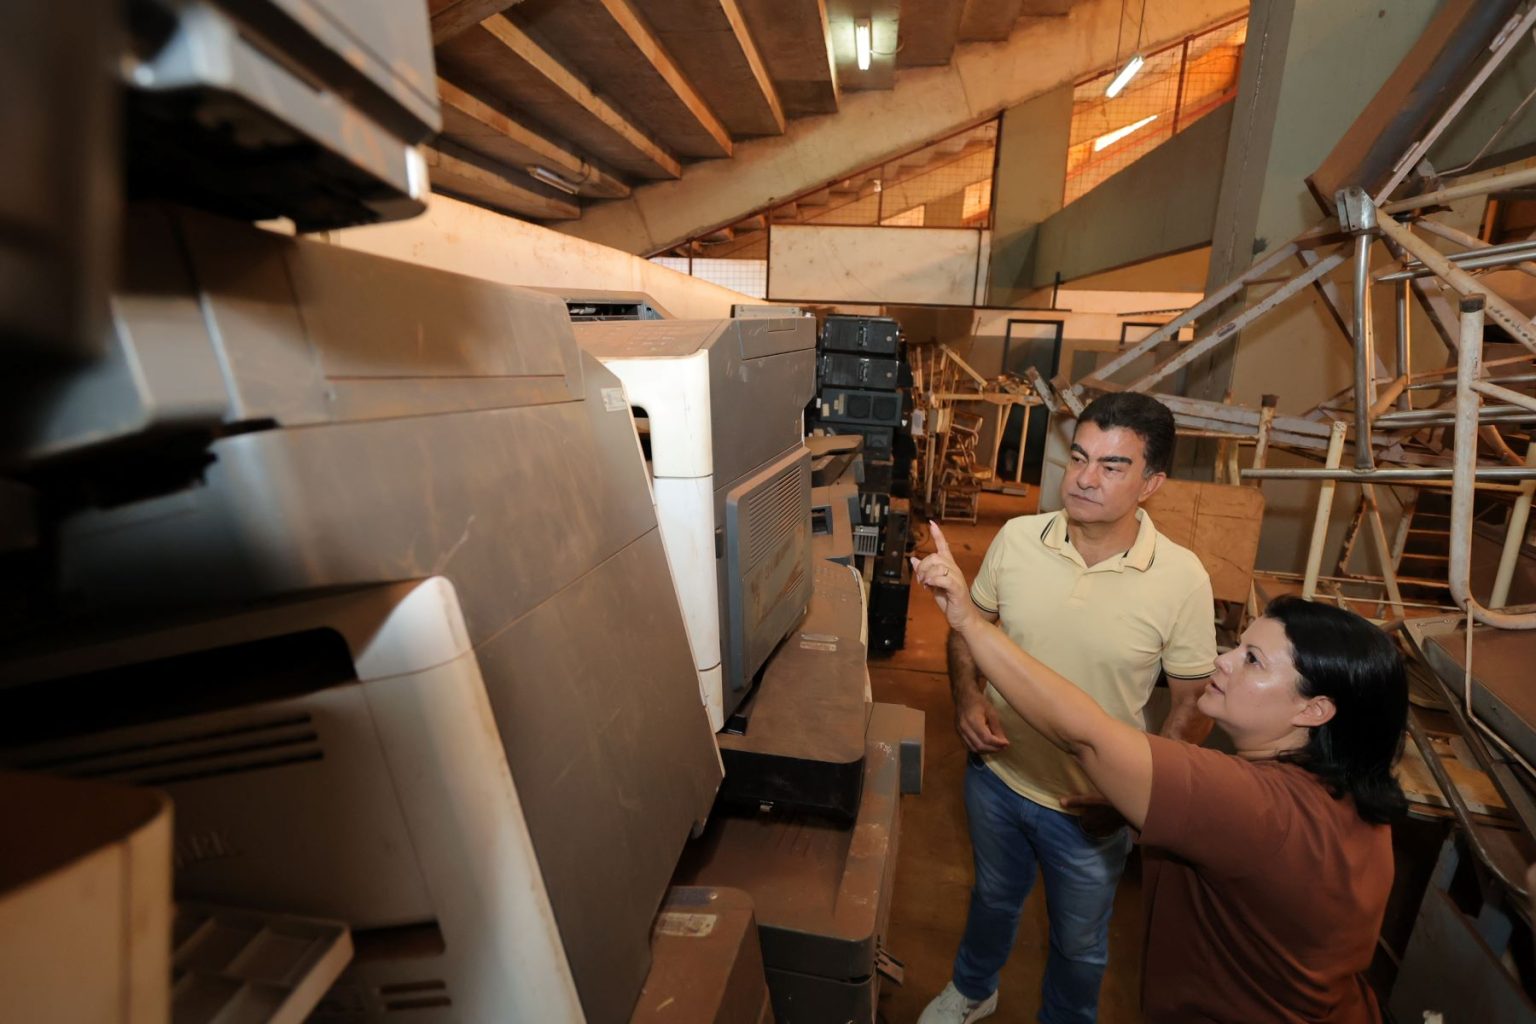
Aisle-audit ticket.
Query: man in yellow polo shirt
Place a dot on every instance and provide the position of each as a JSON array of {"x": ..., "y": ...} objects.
[{"x": 1096, "y": 593}]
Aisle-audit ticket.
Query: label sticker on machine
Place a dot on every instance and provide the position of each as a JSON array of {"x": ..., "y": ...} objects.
[
  {"x": 613, "y": 399},
  {"x": 688, "y": 926}
]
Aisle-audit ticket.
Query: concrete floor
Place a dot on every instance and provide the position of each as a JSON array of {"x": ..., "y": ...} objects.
[{"x": 933, "y": 870}]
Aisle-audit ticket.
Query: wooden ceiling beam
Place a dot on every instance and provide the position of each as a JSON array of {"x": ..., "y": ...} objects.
[
  {"x": 794, "y": 38},
  {"x": 989, "y": 20},
  {"x": 458, "y": 172},
  {"x": 710, "y": 41},
  {"x": 483, "y": 126},
  {"x": 929, "y": 31},
  {"x": 522, "y": 46},
  {"x": 451, "y": 17},
  {"x": 633, "y": 24},
  {"x": 612, "y": 45}
]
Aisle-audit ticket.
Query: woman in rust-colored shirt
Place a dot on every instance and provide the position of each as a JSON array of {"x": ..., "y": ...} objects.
[{"x": 1266, "y": 873}]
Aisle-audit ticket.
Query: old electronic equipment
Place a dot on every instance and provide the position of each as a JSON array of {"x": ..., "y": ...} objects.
[
  {"x": 821, "y": 888},
  {"x": 306, "y": 109},
  {"x": 847, "y": 370},
  {"x": 872, "y": 408},
  {"x": 866, "y": 335},
  {"x": 720, "y": 405},
  {"x": 277, "y": 417},
  {"x": 345, "y": 765}
]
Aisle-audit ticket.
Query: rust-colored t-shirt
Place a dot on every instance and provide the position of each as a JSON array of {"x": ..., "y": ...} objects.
[{"x": 1264, "y": 894}]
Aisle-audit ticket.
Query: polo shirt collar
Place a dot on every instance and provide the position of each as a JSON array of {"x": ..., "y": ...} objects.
[{"x": 1139, "y": 557}]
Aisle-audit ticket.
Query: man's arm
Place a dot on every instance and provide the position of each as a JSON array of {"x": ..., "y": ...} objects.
[
  {"x": 1184, "y": 721},
  {"x": 975, "y": 718}
]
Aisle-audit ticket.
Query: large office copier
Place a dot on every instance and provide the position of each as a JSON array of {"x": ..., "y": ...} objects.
[{"x": 361, "y": 563}]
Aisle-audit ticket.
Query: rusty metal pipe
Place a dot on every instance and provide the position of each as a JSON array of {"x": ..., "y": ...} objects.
[{"x": 1465, "y": 472}]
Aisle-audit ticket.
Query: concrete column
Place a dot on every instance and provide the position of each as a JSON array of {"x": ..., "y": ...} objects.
[{"x": 1031, "y": 178}]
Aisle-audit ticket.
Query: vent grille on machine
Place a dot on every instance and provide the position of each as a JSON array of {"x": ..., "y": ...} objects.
[
  {"x": 772, "y": 512},
  {"x": 189, "y": 753}
]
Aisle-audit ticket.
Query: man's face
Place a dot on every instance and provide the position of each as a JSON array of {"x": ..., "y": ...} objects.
[{"x": 1107, "y": 475}]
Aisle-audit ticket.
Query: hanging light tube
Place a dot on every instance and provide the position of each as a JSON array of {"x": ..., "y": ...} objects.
[
  {"x": 552, "y": 179},
  {"x": 1110, "y": 138},
  {"x": 1124, "y": 77},
  {"x": 862, "y": 43}
]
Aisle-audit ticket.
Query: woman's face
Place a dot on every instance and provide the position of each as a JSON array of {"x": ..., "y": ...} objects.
[{"x": 1253, "y": 694}]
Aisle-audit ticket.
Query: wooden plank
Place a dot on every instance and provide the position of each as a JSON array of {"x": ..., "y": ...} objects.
[
  {"x": 793, "y": 37},
  {"x": 929, "y": 31},
  {"x": 458, "y": 172},
  {"x": 1220, "y": 523},
  {"x": 1476, "y": 788},
  {"x": 710, "y": 42},
  {"x": 499, "y": 60},
  {"x": 612, "y": 46},
  {"x": 989, "y": 20},
  {"x": 484, "y": 127},
  {"x": 451, "y": 17}
]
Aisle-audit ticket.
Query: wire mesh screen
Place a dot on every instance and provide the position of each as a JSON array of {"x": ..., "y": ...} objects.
[
  {"x": 1175, "y": 87},
  {"x": 748, "y": 276}
]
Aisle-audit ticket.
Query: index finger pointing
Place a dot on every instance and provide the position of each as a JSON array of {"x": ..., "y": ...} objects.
[{"x": 940, "y": 545}]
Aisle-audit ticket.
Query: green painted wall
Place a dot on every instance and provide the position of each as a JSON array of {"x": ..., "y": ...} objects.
[{"x": 1163, "y": 203}]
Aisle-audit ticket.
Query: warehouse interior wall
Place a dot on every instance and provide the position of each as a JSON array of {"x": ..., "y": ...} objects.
[
  {"x": 1162, "y": 204},
  {"x": 926, "y": 104}
]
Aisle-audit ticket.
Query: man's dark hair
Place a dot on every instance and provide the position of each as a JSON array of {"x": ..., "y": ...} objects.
[
  {"x": 1143, "y": 416},
  {"x": 1343, "y": 657}
]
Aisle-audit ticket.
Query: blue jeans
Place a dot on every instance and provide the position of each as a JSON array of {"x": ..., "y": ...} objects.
[{"x": 1010, "y": 837}]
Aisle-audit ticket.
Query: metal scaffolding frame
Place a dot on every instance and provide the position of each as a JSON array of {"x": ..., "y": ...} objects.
[{"x": 1390, "y": 440}]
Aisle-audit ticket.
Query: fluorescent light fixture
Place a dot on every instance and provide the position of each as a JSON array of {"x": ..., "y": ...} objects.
[
  {"x": 1110, "y": 138},
  {"x": 552, "y": 179},
  {"x": 862, "y": 46},
  {"x": 1126, "y": 74}
]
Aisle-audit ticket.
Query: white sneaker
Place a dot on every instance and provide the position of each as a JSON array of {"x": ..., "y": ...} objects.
[{"x": 950, "y": 1007}]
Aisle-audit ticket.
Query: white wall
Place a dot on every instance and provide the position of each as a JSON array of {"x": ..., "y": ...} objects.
[{"x": 466, "y": 239}]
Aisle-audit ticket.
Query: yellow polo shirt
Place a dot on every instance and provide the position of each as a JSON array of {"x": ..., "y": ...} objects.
[{"x": 1108, "y": 628}]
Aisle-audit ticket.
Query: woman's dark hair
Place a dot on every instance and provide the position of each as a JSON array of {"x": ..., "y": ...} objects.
[
  {"x": 1143, "y": 416},
  {"x": 1341, "y": 656}
]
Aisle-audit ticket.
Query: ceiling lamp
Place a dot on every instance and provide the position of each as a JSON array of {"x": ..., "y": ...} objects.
[
  {"x": 1110, "y": 138},
  {"x": 553, "y": 180},
  {"x": 1137, "y": 60},
  {"x": 1126, "y": 74},
  {"x": 862, "y": 43}
]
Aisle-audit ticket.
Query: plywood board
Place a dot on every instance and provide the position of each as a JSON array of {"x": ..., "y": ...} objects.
[
  {"x": 1220, "y": 523},
  {"x": 920, "y": 266}
]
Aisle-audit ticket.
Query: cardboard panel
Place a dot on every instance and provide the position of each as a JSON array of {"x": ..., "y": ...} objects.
[{"x": 1220, "y": 523}]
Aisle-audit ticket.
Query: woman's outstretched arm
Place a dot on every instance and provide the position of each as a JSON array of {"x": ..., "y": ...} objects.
[{"x": 1116, "y": 757}]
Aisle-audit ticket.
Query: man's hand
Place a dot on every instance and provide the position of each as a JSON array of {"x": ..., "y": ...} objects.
[
  {"x": 979, "y": 727},
  {"x": 939, "y": 573},
  {"x": 1098, "y": 819}
]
